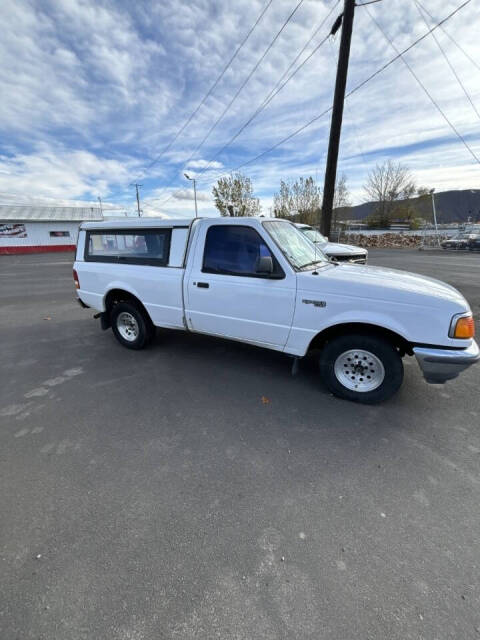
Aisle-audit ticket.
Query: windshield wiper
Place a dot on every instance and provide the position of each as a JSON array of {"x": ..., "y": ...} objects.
[{"x": 310, "y": 264}]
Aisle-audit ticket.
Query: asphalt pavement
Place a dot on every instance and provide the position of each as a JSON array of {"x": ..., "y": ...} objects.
[{"x": 197, "y": 490}]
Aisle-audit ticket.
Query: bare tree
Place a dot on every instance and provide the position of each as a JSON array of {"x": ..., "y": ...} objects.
[
  {"x": 234, "y": 196},
  {"x": 386, "y": 185},
  {"x": 299, "y": 201},
  {"x": 283, "y": 201},
  {"x": 341, "y": 200}
]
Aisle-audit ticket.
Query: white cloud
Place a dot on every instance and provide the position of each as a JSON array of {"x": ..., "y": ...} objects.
[
  {"x": 188, "y": 194},
  {"x": 11, "y": 198},
  {"x": 61, "y": 173},
  {"x": 202, "y": 164},
  {"x": 93, "y": 91}
]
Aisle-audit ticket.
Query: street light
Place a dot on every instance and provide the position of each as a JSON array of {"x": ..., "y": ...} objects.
[{"x": 194, "y": 191}]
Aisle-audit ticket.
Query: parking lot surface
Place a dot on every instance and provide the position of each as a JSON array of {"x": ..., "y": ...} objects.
[{"x": 197, "y": 490}]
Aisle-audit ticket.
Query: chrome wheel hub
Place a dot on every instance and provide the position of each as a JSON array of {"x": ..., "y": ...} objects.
[
  {"x": 359, "y": 370},
  {"x": 127, "y": 326}
]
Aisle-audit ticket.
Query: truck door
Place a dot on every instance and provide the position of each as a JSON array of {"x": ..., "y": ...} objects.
[{"x": 226, "y": 295}]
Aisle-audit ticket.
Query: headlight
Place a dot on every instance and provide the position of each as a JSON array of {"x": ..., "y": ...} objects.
[{"x": 462, "y": 326}]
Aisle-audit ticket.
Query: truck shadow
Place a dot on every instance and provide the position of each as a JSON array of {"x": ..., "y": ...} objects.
[
  {"x": 242, "y": 367},
  {"x": 238, "y": 392},
  {"x": 243, "y": 402}
]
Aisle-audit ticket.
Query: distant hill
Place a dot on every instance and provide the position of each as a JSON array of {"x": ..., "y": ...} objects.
[{"x": 451, "y": 206}]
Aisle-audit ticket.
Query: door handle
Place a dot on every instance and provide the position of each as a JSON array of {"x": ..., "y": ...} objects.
[{"x": 203, "y": 285}]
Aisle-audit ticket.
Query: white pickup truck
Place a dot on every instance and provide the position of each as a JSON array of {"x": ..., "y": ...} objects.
[
  {"x": 262, "y": 281},
  {"x": 334, "y": 250}
]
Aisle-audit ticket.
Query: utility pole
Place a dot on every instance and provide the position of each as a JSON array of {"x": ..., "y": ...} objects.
[
  {"x": 432, "y": 191},
  {"x": 429, "y": 242},
  {"x": 434, "y": 211},
  {"x": 100, "y": 202},
  {"x": 134, "y": 184},
  {"x": 337, "y": 115}
]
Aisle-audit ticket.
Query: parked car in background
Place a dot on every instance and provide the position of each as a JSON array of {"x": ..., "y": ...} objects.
[
  {"x": 334, "y": 250},
  {"x": 460, "y": 241},
  {"x": 261, "y": 281},
  {"x": 474, "y": 242}
]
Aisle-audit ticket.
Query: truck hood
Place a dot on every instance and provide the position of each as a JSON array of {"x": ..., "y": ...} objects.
[
  {"x": 336, "y": 249},
  {"x": 379, "y": 283}
]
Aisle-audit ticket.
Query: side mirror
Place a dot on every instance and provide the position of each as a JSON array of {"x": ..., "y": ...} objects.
[{"x": 264, "y": 265}]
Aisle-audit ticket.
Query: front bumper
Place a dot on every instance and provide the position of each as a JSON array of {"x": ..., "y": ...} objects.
[{"x": 440, "y": 365}]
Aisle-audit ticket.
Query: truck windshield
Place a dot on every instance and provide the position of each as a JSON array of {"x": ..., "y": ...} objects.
[
  {"x": 298, "y": 250},
  {"x": 313, "y": 235}
]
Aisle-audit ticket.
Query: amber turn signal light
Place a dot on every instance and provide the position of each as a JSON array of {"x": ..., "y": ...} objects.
[{"x": 465, "y": 328}]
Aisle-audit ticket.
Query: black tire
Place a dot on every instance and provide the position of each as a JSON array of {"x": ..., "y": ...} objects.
[
  {"x": 142, "y": 328},
  {"x": 336, "y": 351}
]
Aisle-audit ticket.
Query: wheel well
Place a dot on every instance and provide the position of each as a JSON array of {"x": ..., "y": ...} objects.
[
  {"x": 360, "y": 327},
  {"x": 115, "y": 296}
]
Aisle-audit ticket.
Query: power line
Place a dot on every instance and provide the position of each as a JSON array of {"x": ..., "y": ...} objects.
[
  {"x": 285, "y": 73},
  {"x": 240, "y": 89},
  {"x": 279, "y": 85},
  {"x": 267, "y": 151},
  {"x": 210, "y": 91},
  {"x": 459, "y": 46},
  {"x": 259, "y": 109},
  {"x": 427, "y": 93},
  {"x": 237, "y": 93},
  {"x": 447, "y": 60},
  {"x": 411, "y": 46},
  {"x": 270, "y": 98},
  {"x": 351, "y": 92},
  {"x": 276, "y": 89}
]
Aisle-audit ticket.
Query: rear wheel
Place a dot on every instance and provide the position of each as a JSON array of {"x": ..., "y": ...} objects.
[
  {"x": 362, "y": 368},
  {"x": 131, "y": 325}
]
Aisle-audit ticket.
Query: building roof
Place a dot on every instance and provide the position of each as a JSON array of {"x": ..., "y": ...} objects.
[{"x": 34, "y": 213}]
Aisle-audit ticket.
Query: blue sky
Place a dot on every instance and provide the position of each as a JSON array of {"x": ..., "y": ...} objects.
[{"x": 93, "y": 91}]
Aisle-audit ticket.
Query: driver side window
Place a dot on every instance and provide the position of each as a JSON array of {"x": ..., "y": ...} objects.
[{"x": 235, "y": 250}]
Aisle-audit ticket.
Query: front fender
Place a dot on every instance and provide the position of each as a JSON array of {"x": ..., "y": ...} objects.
[
  {"x": 315, "y": 313},
  {"x": 300, "y": 337},
  {"x": 381, "y": 320}
]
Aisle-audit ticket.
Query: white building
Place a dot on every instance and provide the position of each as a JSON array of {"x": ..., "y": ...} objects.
[{"x": 35, "y": 229}]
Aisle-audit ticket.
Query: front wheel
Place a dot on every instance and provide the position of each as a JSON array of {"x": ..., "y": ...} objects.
[{"x": 362, "y": 368}]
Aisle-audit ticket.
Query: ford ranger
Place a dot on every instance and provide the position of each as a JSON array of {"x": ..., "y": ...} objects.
[{"x": 261, "y": 281}]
